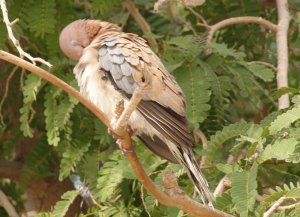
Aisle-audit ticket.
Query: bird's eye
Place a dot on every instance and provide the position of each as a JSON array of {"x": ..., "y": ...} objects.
[{"x": 75, "y": 43}]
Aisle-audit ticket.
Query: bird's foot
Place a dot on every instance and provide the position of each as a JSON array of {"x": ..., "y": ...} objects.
[
  {"x": 131, "y": 132},
  {"x": 122, "y": 148}
]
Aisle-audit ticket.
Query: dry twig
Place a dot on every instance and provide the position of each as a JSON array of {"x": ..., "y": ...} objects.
[
  {"x": 9, "y": 77},
  {"x": 14, "y": 40},
  {"x": 140, "y": 20},
  {"x": 274, "y": 207}
]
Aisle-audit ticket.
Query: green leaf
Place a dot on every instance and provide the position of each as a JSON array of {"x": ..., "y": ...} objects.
[
  {"x": 50, "y": 113},
  {"x": 295, "y": 156},
  {"x": 191, "y": 45},
  {"x": 243, "y": 191},
  {"x": 284, "y": 90},
  {"x": 225, "y": 168},
  {"x": 288, "y": 190},
  {"x": 224, "y": 201},
  {"x": 195, "y": 85},
  {"x": 224, "y": 51},
  {"x": 284, "y": 120},
  {"x": 33, "y": 84},
  {"x": 41, "y": 17},
  {"x": 111, "y": 175},
  {"x": 62, "y": 206},
  {"x": 71, "y": 156},
  {"x": 264, "y": 73},
  {"x": 105, "y": 7},
  {"x": 280, "y": 150},
  {"x": 228, "y": 132}
]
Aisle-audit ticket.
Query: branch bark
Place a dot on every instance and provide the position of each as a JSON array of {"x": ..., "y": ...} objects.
[
  {"x": 181, "y": 201},
  {"x": 140, "y": 20},
  {"x": 282, "y": 50},
  {"x": 6, "y": 204},
  {"x": 239, "y": 20},
  {"x": 274, "y": 206}
]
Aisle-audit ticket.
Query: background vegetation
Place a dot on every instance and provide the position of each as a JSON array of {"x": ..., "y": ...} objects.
[{"x": 51, "y": 145}]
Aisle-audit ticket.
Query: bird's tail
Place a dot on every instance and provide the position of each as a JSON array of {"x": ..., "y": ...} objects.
[
  {"x": 198, "y": 178},
  {"x": 187, "y": 159}
]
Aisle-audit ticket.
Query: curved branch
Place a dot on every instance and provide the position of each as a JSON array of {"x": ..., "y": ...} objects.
[
  {"x": 6, "y": 204},
  {"x": 240, "y": 20},
  {"x": 265, "y": 64},
  {"x": 181, "y": 201},
  {"x": 140, "y": 20}
]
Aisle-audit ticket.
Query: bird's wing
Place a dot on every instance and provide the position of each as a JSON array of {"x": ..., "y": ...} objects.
[{"x": 128, "y": 61}]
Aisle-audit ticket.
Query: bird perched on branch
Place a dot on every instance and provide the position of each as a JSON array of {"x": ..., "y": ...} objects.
[{"x": 112, "y": 66}]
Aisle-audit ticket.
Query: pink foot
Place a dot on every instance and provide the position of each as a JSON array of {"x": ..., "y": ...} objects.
[
  {"x": 121, "y": 147},
  {"x": 131, "y": 132}
]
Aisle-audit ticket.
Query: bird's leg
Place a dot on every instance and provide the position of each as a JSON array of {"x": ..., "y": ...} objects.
[
  {"x": 137, "y": 96},
  {"x": 123, "y": 114}
]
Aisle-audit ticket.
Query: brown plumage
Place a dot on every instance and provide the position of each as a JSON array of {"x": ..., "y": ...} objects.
[{"x": 112, "y": 64}]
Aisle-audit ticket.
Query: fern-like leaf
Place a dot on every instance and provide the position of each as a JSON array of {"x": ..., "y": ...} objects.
[
  {"x": 224, "y": 51},
  {"x": 104, "y": 7},
  {"x": 224, "y": 201},
  {"x": 41, "y": 17},
  {"x": 32, "y": 86},
  {"x": 288, "y": 190},
  {"x": 284, "y": 120},
  {"x": 62, "y": 206},
  {"x": 50, "y": 112},
  {"x": 71, "y": 156},
  {"x": 261, "y": 71},
  {"x": 228, "y": 132},
  {"x": 39, "y": 162},
  {"x": 243, "y": 191},
  {"x": 196, "y": 86},
  {"x": 280, "y": 150}
]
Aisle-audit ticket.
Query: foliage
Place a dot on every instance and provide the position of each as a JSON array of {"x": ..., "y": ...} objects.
[{"x": 230, "y": 96}]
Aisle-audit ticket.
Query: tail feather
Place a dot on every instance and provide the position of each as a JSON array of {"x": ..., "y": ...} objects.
[
  {"x": 186, "y": 158},
  {"x": 198, "y": 178}
]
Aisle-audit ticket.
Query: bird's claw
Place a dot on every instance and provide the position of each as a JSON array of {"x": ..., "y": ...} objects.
[{"x": 121, "y": 147}]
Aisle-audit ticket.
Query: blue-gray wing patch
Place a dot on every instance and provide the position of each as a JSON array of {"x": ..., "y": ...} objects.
[{"x": 121, "y": 57}]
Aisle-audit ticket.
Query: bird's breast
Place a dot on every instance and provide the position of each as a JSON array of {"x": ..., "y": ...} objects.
[{"x": 100, "y": 91}]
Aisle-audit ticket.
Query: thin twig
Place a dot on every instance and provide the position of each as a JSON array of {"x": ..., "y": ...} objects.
[
  {"x": 14, "y": 40},
  {"x": 200, "y": 135},
  {"x": 6, "y": 204},
  {"x": 240, "y": 20},
  {"x": 200, "y": 18},
  {"x": 140, "y": 20},
  {"x": 265, "y": 64},
  {"x": 182, "y": 202},
  {"x": 274, "y": 207},
  {"x": 292, "y": 206},
  {"x": 9, "y": 77},
  {"x": 282, "y": 50},
  {"x": 222, "y": 186},
  {"x": 144, "y": 202}
]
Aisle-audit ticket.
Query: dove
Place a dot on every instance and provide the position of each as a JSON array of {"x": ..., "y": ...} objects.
[{"x": 111, "y": 66}]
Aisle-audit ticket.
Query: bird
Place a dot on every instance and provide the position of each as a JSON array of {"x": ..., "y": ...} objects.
[{"x": 111, "y": 65}]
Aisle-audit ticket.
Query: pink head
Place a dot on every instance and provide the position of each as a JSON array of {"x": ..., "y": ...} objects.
[
  {"x": 79, "y": 34},
  {"x": 73, "y": 39}
]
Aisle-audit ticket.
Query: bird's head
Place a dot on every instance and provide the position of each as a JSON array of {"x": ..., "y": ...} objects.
[{"x": 79, "y": 34}]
